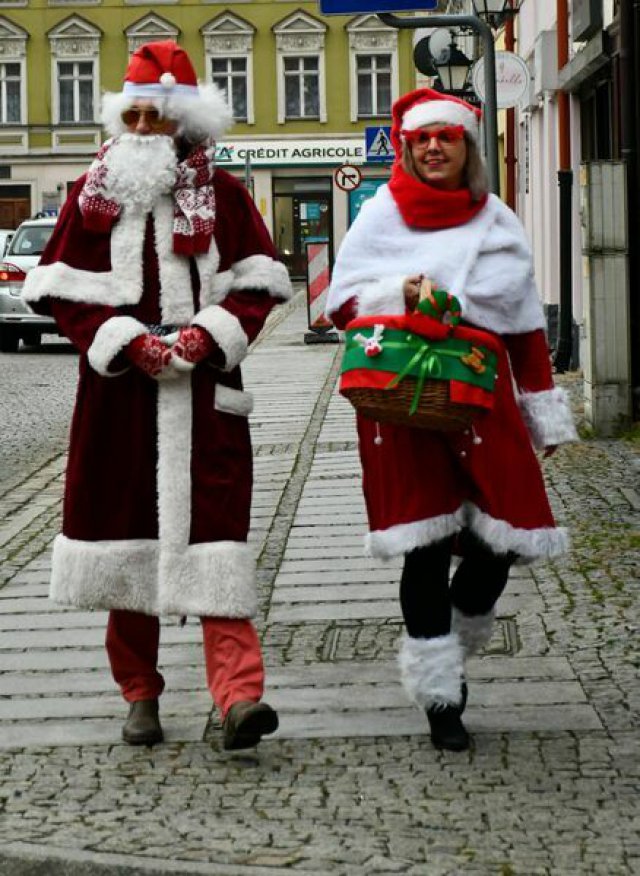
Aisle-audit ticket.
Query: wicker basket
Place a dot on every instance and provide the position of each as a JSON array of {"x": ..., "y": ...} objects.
[{"x": 435, "y": 411}]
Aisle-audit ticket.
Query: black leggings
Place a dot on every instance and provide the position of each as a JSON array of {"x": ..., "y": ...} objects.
[{"x": 426, "y": 597}]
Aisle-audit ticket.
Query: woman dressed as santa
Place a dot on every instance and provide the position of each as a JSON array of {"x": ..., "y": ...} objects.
[{"x": 477, "y": 492}]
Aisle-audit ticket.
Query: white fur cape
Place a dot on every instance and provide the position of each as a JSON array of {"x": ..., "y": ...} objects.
[{"x": 485, "y": 263}]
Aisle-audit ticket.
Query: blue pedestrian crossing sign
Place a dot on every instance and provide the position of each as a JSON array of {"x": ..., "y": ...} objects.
[
  {"x": 347, "y": 7},
  {"x": 378, "y": 143}
]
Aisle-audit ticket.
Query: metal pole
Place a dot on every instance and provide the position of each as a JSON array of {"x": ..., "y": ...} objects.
[
  {"x": 510, "y": 127},
  {"x": 247, "y": 173},
  {"x": 491, "y": 94}
]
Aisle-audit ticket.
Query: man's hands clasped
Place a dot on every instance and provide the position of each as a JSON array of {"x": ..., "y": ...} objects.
[{"x": 165, "y": 358}]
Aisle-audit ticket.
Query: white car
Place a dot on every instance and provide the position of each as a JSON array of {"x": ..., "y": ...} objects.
[{"x": 17, "y": 320}]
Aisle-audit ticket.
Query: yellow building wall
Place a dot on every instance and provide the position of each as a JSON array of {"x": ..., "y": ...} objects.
[{"x": 113, "y": 18}]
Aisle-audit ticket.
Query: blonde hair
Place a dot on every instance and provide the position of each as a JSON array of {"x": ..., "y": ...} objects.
[{"x": 474, "y": 172}]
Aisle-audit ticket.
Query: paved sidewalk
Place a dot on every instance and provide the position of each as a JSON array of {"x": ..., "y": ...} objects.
[{"x": 350, "y": 784}]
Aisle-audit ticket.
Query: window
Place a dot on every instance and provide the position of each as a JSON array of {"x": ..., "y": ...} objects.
[
  {"x": 300, "y": 68},
  {"x": 10, "y": 96},
  {"x": 373, "y": 67},
  {"x": 75, "y": 91},
  {"x": 374, "y": 85},
  {"x": 228, "y": 48},
  {"x": 75, "y": 80},
  {"x": 302, "y": 88},
  {"x": 230, "y": 75}
]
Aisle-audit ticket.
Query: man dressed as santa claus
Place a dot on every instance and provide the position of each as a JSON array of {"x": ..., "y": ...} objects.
[{"x": 161, "y": 272}]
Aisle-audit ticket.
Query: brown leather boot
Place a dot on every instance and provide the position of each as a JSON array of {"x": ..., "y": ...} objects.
[
  {"x": 142, "y": 726},
  {"x": 246, "y": 723}
]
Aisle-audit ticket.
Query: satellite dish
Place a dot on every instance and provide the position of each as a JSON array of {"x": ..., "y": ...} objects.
[
  {"x": 423, "y": 59},
  {"x": 439, "y": 43}
]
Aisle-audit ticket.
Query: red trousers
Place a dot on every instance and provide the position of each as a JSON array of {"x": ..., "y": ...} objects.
[{"x": 232, "y": 655}]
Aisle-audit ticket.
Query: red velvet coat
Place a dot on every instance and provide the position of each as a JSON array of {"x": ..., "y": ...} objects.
[
  {"x": 158, "y": 489},
  {"x": 421, "y": 486}
]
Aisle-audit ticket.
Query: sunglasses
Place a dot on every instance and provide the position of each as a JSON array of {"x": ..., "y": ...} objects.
[
  {"x": 152, "y": 116},
  {"x": 446, "y": 134}
]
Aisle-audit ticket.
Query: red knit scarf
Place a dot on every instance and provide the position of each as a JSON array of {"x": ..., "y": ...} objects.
[
  {"x": 424, "y": 206},
  {"x": 194, "y": 205}
]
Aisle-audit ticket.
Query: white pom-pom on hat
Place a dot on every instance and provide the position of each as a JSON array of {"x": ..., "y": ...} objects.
[{"x": 167, "y": 80}]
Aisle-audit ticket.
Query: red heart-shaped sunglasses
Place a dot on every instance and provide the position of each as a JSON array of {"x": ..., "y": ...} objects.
[{"x": 446, "y": 134}]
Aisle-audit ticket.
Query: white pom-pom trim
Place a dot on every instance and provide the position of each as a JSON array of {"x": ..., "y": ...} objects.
[{"x": 167, "y": 80}]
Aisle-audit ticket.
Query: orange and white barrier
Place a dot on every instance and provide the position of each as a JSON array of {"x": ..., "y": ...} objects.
[{"x": 317, "y": 285}]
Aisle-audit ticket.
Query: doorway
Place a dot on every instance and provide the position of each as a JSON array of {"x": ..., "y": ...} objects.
[
  {"x": 302, "y": 214},
  {"x": 15, "y": 205}
]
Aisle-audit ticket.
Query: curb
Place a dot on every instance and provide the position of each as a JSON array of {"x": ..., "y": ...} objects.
[{"x": 29, "y": 859}]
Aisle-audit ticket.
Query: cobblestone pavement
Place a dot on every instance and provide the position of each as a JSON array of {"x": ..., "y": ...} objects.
[{"x": 350, "y": 784}]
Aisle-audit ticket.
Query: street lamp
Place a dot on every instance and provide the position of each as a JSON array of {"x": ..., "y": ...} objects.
[
  {"x": 495, "y": 12},
  {"x": 453, "y": 68}
]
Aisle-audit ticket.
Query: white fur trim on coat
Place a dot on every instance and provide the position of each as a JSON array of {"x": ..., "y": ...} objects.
[
  {"x": 431, "y": 670},
  {"x": 430, "y": 112},
  {"x": 502, "y": 538},
  {"x": 548, "y": 417},
  {"x": 111, "y": 338},
  {"x": 122, "y": 285},
  {"x": 405, "y": 537},
  {"x": 216, "y": 578},
  {"x": 226, "y": 330},
  {"x": 498, "y": 535},
  {"x": 214, "y": 286},
  {"x": 263, "y": 272},
  {"x": 176, "y": 294},
  {"x": 233, "y": 401},
  {"x": 59, "y": 280},
  {"x": 382, "y": 297},
  {"x": 474, "y": 631}
]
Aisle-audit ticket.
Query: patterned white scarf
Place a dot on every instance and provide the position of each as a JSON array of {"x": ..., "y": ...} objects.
[{"x": 114, "y": 180}]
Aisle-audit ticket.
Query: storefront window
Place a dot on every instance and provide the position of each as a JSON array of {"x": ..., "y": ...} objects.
[{"x": 302, "y": 214}]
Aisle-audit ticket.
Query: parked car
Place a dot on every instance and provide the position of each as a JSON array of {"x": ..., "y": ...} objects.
[{"x": 17, "y": 320}]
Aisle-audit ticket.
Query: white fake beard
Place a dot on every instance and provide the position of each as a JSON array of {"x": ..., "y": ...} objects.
[{"x": 140, "y": 169}]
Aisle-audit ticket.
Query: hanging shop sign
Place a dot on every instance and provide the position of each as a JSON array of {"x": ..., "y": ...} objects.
[
  {"x": 513, "y": 79},
  {"x": 237, "y": 153}
]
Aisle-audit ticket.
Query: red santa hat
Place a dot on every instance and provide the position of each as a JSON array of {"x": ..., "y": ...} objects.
[
  {"x": 160, "y": 70},
  {"x": 424, "y": 106},
  {"x": 163, "y": 72}
]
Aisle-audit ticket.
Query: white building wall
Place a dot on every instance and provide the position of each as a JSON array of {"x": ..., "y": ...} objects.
[{"x": 538, "y": 192}]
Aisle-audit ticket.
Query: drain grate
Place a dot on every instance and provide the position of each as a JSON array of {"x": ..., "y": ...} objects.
[
  {"x": 360, "y": 641},
  {"x": 364, "y": 640}
]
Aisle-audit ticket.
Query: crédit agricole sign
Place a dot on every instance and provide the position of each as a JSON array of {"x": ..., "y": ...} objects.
[{"x": 236, "y": 153}]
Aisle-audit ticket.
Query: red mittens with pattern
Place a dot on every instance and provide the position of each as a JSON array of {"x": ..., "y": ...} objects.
[
  {"x": 193, "y": 344},
  {"x": 149, "y": 354}
]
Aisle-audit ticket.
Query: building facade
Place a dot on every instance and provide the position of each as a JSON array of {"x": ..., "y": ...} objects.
[
  {"x": 601, "y": 77},
  {"x": 304, "y": 89}
]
